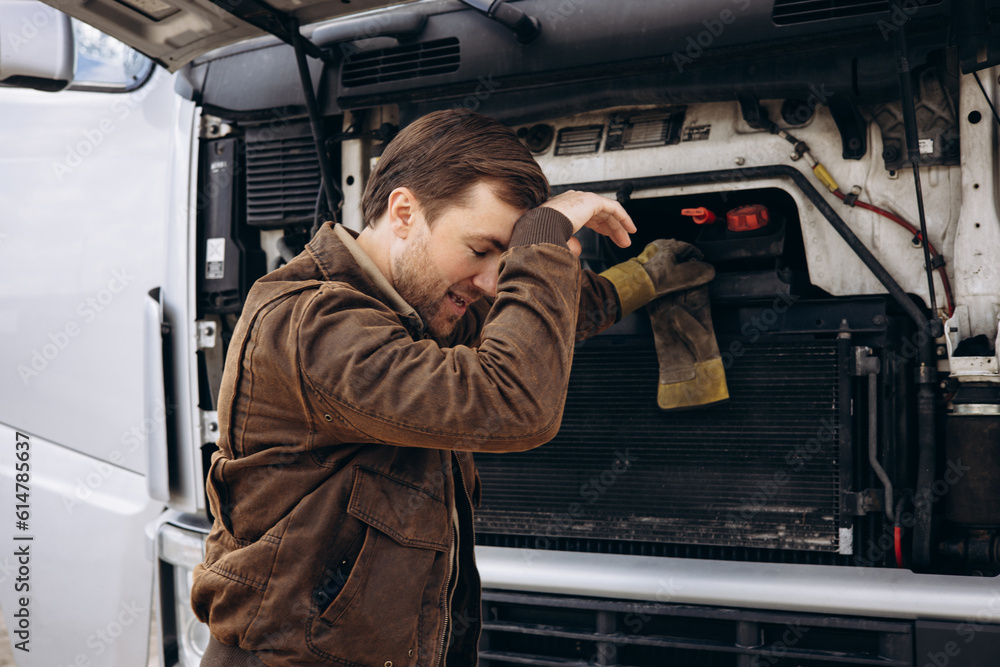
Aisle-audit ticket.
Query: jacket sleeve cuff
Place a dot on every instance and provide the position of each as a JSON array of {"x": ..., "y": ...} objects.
[{"x": 542, "y": 225}]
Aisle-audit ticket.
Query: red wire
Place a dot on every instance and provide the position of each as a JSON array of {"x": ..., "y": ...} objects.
[
  {"x": 898, "y": 539},
  {"x": 916, "y": 232}
]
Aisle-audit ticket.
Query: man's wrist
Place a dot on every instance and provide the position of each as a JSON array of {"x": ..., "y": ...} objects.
[{"x": 542, "y": 225}]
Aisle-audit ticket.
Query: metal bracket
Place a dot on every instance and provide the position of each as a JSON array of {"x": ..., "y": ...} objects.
[
  {"x": 206, "y": 334},
  {"x": 852, "y": 127},
  {"x": 212, "y": 127},
  {"x": 209, "y": 426},
  {"x": 753, "y": 113},
  {"x": 863, "y": 502},
  {"x": 865, "y": 363}
]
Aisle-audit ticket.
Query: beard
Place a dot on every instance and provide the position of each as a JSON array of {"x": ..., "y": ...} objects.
[{"x": 412, "y": 274}]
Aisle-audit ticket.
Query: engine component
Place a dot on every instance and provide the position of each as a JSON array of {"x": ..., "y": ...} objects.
[
  {"x": 936, "y": 119},
  {"x": 229, "y": 255},
  {"x": 747, "y": 218},
  {"x": 700, "y": 215},
  {"x": 973, "y": 457}
]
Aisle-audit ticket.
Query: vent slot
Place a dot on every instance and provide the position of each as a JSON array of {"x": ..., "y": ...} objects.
[
  {"x": 411, "y": 61},
  {"x": 579, "y": 140},
  {"x": 283, "y": 176},
  {"x": 790, "y": 12},
  {"x": 646, "y": 129}
]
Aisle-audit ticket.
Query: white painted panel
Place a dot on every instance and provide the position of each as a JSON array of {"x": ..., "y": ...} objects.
[
  {"x": 88, "y": 582},
  {"x": 85, "y": 207}
]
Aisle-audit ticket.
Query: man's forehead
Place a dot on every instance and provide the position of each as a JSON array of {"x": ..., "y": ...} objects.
[{"x": 487, "y": 238}]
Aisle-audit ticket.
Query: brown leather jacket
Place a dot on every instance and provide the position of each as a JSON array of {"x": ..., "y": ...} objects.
[{"x": 346, "y": 443}]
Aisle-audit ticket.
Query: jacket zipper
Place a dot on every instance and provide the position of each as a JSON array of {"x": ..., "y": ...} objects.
[
  {"x": 452, "y": 555},
  {"x": 472, "y": 530},
  {"x": 447, "y": 604}
]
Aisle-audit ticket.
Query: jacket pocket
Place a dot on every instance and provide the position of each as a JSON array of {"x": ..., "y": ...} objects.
[{"x": 384, "y": 597}]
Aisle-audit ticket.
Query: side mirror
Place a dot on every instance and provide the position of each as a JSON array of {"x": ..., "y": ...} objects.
[{"x": 36, "y": 46}]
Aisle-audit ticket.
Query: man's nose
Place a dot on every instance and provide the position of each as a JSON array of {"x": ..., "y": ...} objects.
[{"x": 486, "y": 281}]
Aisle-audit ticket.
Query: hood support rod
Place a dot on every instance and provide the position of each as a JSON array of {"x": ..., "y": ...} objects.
[
  {"x": 330, "y": 189},
  {"x": 285, "y": 27}
]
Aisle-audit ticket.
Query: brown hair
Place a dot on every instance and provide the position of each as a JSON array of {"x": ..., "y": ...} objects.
[{"x": 443, "y": 154}]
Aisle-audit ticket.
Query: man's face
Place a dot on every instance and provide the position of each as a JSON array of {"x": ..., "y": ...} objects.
[{"x": 446, "y": 266}]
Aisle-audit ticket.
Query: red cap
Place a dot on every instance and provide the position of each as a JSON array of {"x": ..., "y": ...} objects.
[
  {"x": 747, "y": 218},
  {"x": 701, "y": 215}
]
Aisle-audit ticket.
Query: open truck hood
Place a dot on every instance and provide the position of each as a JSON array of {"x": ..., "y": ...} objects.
[{"x": 174, "y": 32}]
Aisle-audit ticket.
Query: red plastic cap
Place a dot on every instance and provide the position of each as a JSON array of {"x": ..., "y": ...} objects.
[
  {"x": 747, "y": 218},
  {"x": 700, "y": 215}
]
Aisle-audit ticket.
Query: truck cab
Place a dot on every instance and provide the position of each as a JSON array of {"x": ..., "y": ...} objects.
[{"x": 835, "y": 162}]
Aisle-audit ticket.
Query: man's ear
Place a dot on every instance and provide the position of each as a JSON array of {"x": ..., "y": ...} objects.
[{"x": 402, "y": 211}]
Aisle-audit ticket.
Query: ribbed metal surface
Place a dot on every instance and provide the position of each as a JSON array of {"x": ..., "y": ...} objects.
[
  {"x": 728, "y": 475},
  {"x": 787, "y": 12},
  {"x": 283, "y": 180},
  {"x": 644, "y": 129},
  {"x": 522, "y": 629},
  {"x": 397, "y": 63},
  {"x": 579, "y": 140}
]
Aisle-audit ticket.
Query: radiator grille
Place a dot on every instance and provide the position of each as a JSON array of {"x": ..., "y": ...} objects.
[
  {"x": 410, "y": 61},
  {"x": 726, "y": 476},
  {"x": 283, "y": 178},
  {"x": 525, "y": 629},
  {"x": 789, "y": 12}
]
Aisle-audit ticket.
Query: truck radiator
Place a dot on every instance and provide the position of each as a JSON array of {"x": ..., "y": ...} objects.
[{"x": 757, "y": 478}]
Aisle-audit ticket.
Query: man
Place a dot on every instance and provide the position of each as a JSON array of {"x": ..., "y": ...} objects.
[{"x": 361, "y": 377}]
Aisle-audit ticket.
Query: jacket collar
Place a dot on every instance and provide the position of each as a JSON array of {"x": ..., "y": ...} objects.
[{"x": 327, "y": 250}]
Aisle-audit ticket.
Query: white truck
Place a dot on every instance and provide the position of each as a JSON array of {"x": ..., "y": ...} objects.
[{"x": 836, "y": 161}]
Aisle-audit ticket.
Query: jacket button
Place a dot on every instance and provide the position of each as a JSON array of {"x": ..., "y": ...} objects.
[
  {"x": 410, "y": 653},
  {"x": 388, "y": 663},
  {"x": 328, "y": 418}
]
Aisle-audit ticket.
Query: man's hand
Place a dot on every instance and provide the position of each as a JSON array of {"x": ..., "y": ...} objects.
[{"x": 586, "y": 209}]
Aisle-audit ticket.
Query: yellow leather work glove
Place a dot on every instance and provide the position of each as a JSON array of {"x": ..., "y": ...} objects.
[
  {"x": 691, "y": 370},
  {"x": 665, "y": 266}
]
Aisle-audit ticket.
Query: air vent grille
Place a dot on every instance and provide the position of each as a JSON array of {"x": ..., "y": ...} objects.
[
  {"x": 410, "y": 61},
  {"x": 645, "y": 129},
  {"x": 283, "y": 179},
  {"x": 579, "y": 140},
  {"x": 789, "y": 12}
]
